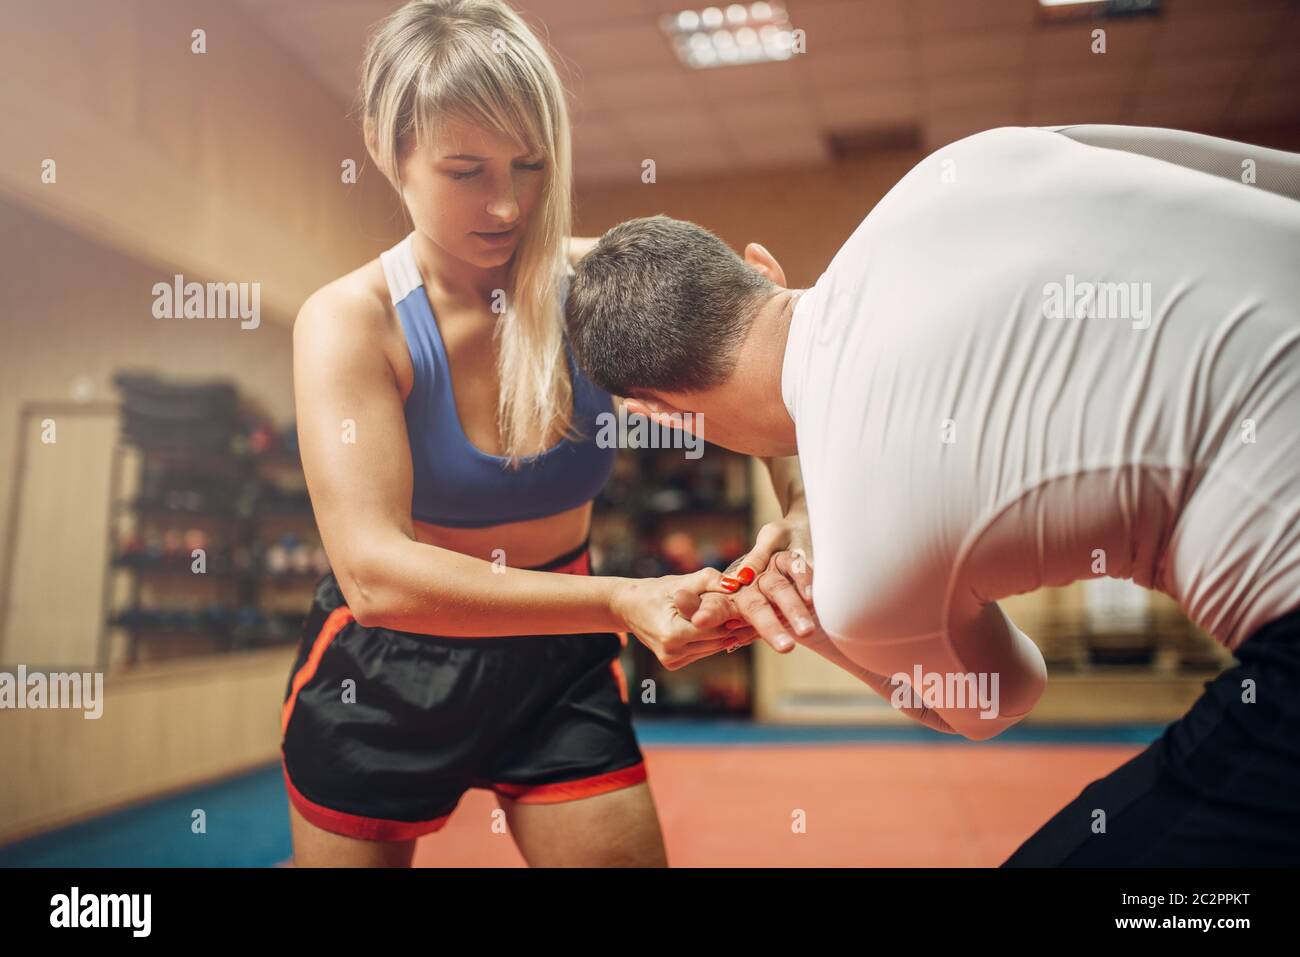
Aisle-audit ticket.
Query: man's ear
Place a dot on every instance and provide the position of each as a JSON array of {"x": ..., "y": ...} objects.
[
  {"x": 762, "y": 261},
  {"x": 661, "y": 413},
  {"x": 646, "y": 407}
]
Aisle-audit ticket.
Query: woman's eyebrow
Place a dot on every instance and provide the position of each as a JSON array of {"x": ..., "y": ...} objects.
[{"x": 479, "y": 159}]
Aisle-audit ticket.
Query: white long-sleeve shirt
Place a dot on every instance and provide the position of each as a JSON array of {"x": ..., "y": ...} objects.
[{"x": 1049, "y": 354}]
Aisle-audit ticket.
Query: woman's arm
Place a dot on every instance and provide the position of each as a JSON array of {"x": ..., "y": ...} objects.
[{"x": 356, "y": 458}]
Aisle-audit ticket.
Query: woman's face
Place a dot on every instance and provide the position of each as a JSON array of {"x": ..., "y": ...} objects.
[{"x": 472, "y": 192}]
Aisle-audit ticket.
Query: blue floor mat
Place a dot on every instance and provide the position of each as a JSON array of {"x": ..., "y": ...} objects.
[
  {"x": 247, "y": 826},
  {"x": 248, "y": 816},
  {"x": 714, "y": 733}
]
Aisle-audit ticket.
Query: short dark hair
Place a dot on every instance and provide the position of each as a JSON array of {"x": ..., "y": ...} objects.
[{"x": 661, "y": 304}]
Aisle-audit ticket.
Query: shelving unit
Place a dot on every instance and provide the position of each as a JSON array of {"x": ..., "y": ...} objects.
[
  {"x": 663, "y": 514},
  {"x": 226, "y": 605}
]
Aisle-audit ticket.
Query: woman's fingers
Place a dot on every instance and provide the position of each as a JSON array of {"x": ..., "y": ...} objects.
[
  {"x": 698, "y": 650},
  {"x": 716, "y": 611},
  {"x": 771, "y": 538},
  {"x": 687, "y": 602},
  {"x": 706, "y": 612}
]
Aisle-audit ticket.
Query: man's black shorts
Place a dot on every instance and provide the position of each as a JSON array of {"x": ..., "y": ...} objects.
[
  {"x": 383, "y": 730},
  {"x": 1220, "y": 786}
]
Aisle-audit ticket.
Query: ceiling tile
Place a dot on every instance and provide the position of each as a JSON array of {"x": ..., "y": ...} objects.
[
  {"x": 567, "y": 13},
  {"x": 676, "y": 160},
  {"x": 957, "y": 16},
  {"x": 951, "y": 54},
  {"x": 806, "y": 149},
  {"x": 1201, "y": 110},
  {"x": 1271, "y": 106},
  {"x": 878, "y": 64},
  {"x": 1096, "y": 80},
  {"x": 1281, "y": 63},
  {"x": 603, "y": 167},
  {"x": 681, "y": 122},
  {"x": 956, "y": 66},
  {"x": 1246, "y": 28},
  {"x": 626, "y": 45},
  {"x": 1195, "y": 73},
  {"x": 981, "y": 93},
  {"x": 737, "y": 83},
  {"x": 788, "y": 109},
  {"x": 1095, "y": 109},
  {"x": 629, "y": 91},
  {"x": 597, "y": 131},
  {"x": 831, "y": 24},
  {"x": 1069, "y": 46},
  {"x": 867, "y": 106}
]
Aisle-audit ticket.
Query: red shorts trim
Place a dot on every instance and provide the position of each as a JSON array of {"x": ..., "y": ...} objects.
[
  {"x": 338, "y": 619},
  {"x": 355, "y": 825},
  {"x": 382, "y": 829},
  {"x": 579, "y": 566},
  {"x": 616, "y": 666},
  {"x": 574, "y": 790}
]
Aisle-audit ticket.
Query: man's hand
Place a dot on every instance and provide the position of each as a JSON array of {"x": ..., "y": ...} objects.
[
  {"x": 789, "y": 534},
  {"x": 772, "y": 598},
  {"x": 771, "y": 586}
]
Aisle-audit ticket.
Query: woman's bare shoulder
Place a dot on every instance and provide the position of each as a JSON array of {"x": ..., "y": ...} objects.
[
  {"x": 354, "y": 316},
  {"x": 354, "y": 304}
]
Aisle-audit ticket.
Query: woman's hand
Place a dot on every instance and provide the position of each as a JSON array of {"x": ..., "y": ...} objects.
[{"x": 681, "y": 618}]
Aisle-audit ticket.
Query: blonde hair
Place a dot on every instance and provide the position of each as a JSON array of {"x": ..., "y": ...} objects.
[{"x": 477, "y": 61}]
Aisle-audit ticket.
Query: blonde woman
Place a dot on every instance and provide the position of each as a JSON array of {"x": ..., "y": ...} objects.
[{"x": 448, "y": 443}]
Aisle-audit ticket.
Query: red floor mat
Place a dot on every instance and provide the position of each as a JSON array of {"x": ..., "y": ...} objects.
[{"x": 868, "y": 805}]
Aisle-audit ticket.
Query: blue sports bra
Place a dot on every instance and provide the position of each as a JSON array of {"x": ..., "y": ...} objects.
[{"x": 456, "y": 483}]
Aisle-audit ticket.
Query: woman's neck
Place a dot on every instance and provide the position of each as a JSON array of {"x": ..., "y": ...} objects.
[{"x": 456, "y": 280}]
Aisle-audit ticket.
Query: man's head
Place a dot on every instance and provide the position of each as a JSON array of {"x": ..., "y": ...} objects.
[{"x": 664, "y": 313}]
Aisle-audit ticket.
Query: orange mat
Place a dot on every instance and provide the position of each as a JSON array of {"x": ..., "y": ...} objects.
[{"x": 866, "y": 805}]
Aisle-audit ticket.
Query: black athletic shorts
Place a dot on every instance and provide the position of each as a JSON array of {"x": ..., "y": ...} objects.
[
  {"x": 1220, "y": 786},
  {"x": 537, "y": 718}
]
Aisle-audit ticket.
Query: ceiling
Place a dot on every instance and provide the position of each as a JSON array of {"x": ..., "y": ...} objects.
[{"x": 945, "y": 67}]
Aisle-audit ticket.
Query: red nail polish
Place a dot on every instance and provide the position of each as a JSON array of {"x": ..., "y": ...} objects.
[
  {"x": 746, "y": 574},
  {"x": 730, "y": 584}
]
